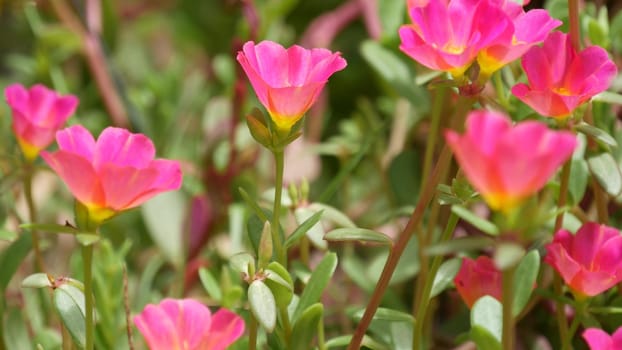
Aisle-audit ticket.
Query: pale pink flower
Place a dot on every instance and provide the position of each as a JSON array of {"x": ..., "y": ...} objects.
[
  {"x": 590, "y": 261},
  {"x": 560, "y": 78},
  {"x": 187, "y": 324},
  {"x": 477, "y": 278},
  {"x": 506, "y": 163},
  {"x": 114, "y": 173},
  {"x": 38, "y": 113},
  {"x": 287, "y": 81},
  {"x": 598, "y": 339}
]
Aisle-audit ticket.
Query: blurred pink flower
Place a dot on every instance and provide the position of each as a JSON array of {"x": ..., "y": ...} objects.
[
  {"x": 449, "y": 35},
  {"x": 506, "y": 163},
  {"x": 598, "y": 339},
  {"x": 114, "y": 173},
  {"x": 287, "y": 81},
  {"x": 38, "y": 113},
  {"x": 560, "y": 78},
  {"x": 477, "y": 278},
  {"x": 590, "y": 261},
  {"x": 187, "y": 324}
]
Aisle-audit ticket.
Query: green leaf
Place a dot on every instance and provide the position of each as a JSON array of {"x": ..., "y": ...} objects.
[
  {"x": 87, "y": 239},
  {"x": 332, "y": 214},
  {"x": 317, "y": 282},
  {"x": 280, "y": 283},
  {"x": 253, "y": 205},
  {"x": 445, "y": 276},
  {"x": 36, "y": 280},
  {"x": 241, "y": 262},
  {"x": 257, "y": 126},
  {"x": 6, "y": 235},
  {"x": 50, "y": 228},
  {"x": 484, "y": 339},
  {"x": 265, "y": 246},
  {"x": 384, "y": 314},
  {"x": 577, "y": 182},
  {"x": 262, "y": 304},
  {"x": 210, "y": 284},
  {"x": 342, "y": 341},
  {"x": 164, "y": 216},
  {"x": 316, "y": 232},
  {"x": 607, "y": 172},
  {"x": 508, "y": 255},
  {"x": 301, "y": 230},
  {"x": 480, "y": 223},
  {"x": 360, "y": 235},
  {"x": 608, "y": 96},
  {"x": 306, "y": 326},
  {"x": 487, "y": 313},
  {"x": 405, "y": 167},
  {"x": 12, "y": 257},
  {"x": 599, "y": 135},
  {"x": 15, "y": 330},
  {"x": 459, "y": 245},
  {"x": 69, "y": 303},
  {"x": 524, "y": 280}
]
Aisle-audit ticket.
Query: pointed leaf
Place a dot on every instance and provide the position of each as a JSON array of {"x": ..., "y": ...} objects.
[
  {"x": 317, "y": 282},
  {"x": 598, "y": 134},
  {"x": 50, "y": 228},
  {"x": 301, "y": 230},
  {"x": 487, "y": 313},
  {"x": 210, "y": 284},
  {"x": 606, "y": 170},
  {"x": 12, "y": 257},
  {"x": 306, "y": 326},
  {"x": 316, "y": 232},
  {"x": 280, "y": 283},
  {"x": 69, "y": 303},
  {"x": 384, "y": 314},
  {"x": 481, "y": 223},
  {"x": 445, "y": 276},
  {"x": 360, "y": 235},
  {"x": 256, "y": 125},
  {"x": 37, "y": 280},
  {"x": 524, "y": 280}
]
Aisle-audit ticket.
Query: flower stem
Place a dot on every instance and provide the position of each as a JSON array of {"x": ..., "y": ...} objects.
[
  {"x": 399, "y": 247},
  {"x": 252, "y": 333},
  {"x": 437, "y": 108},
  {"x": 278, "y": 189},
  {"x": 87, "y": 260},
  {"x": 320, "y": 335},
  {"x": 573, "y": 18},
  {"x": 507, "y": 337},
  {"x": 423, "y": 302},
  {"x": 560, "y": 314},
  {"x": 580, "y": 309},
  {"x": 32, "y": 213}
]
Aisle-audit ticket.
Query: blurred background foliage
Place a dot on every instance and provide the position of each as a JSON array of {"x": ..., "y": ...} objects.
[{"x": 167, "y": 68}]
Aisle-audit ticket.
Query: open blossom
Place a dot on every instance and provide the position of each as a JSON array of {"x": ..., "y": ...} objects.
[
  {"x": 477, "y": 278},
  {"x": 38, "y": 113},
  {"x": 590, "y": 261},
  {"x": 449, "y": 35},
  {"x": 598, "y": 339},
  {"x": 187, "y": 324},
  {"x": 114, "y": 173},
  {"x": 287, "y": 81},
  {"x": 560, "y": 78},
  {"x": 506, "y": 163}
]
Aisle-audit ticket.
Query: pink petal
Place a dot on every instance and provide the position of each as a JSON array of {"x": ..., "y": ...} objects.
[
  {"x": 77, "y": 140},
  {"x": 617, "y": 339},
  {"x": 588, "y": 241},
  {"x": 270, "y": 61},
  {"x": 591, "y": 72},
  {"x": 293, "y": 101},
  {"x": 158, "y": 328},
  {"x": 192, "y": 320},
  {"x": 225, "y": 329},
  {"x": 592, "y": 283},
  {"x": 598, "y": 339},
  {"x": 78, "y": 175},
  {"x": 123, "y": 148},
  {"x": 477, "y": 278},
  {"x": 123, "y": 184}
]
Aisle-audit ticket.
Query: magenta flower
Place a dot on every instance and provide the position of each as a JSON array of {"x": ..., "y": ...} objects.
[
  {"x": 506, "y": 163},
  {"x": 590, "y": 261},
  {"x": 188, "y": 325},
  {"x": 598, "y": 339},
  {"x": 560, "y": 78},
  {"x": 38, "y": 113},
  {"x": 114, "y": 173},
  {"x": 477, "y": 278},
  {"x": 287, "y": 81},
  {"x": 449, "y": 35}
]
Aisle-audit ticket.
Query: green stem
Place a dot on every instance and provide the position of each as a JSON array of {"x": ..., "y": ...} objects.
[
  {"x": 507, "y": 337},
  {"x": 287, "y": 327},
  {"x": 560, "y": 314},
  {"x": 600, "y": 197},
  {"x": 573, "y": 18},
  {"x": 423, "y": 302},
  {"x": 32, "y": 213},
  {"x": 320, "y": 335},
  {"x": 435, "y": 122},
  {"x": 87, "y": 260},
  {"x": 252, "y": 333},
  {"x": 399, "y": 247},
  {"x": 500, "y": 89},
  {"x": 580, "y": 309},
  {"x": 278, "y": 189},
  {"x": 2, "y": 307}
]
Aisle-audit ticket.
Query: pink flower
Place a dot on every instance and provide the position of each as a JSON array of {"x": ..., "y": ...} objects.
[
  {"x": 477, "y": 278},
  {"x": 449, "y": 35},
  {"x": 187, "y": 324},
  {"x": 598, "y": 339},
  {"x": 287, "y": 81},
  {"x": 590, "y": 261},
  {"x": 114, "y": 173},
  {"x": 37, "y": 114},
  {"x": 506, "y": 163},
  {"x": 560, "y": 78}
]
